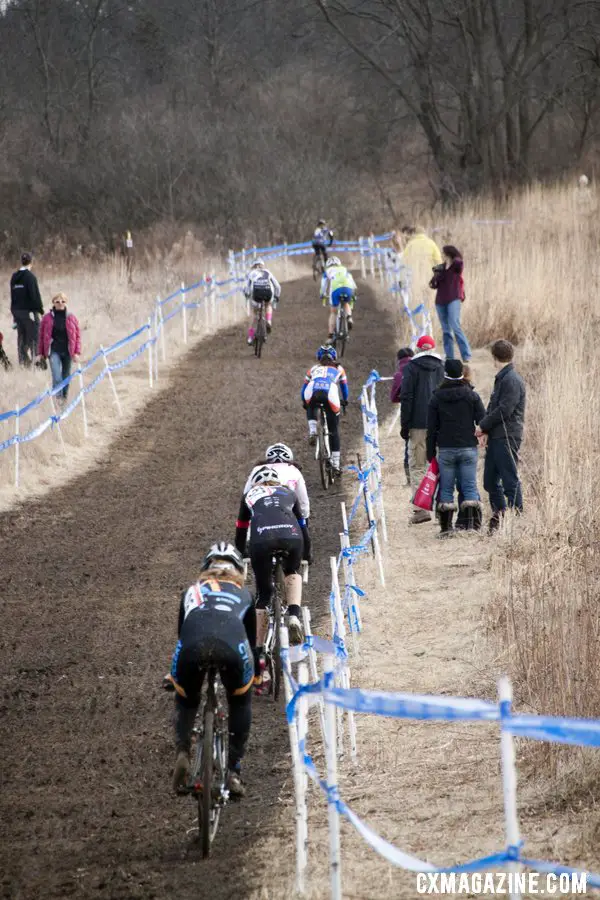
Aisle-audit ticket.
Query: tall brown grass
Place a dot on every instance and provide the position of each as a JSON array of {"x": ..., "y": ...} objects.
[{"x": 537, "y": 282}]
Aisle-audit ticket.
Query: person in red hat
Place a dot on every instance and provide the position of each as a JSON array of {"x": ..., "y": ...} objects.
[{"x": 422, "y": 375}]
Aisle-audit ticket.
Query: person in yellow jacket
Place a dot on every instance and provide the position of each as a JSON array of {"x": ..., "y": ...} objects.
[{"x": 421, "y": 251}]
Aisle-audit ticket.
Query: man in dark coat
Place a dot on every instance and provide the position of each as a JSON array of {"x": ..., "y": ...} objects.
[
  {"x": 423, "y": 374},
  {"x": 26, "y": 308},
  {"x": 503, "y": 427}
]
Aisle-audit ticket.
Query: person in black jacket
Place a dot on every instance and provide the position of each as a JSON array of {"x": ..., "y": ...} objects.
[
  {"x": 26, "y": 308},
  {"x": 503, "y": 427},
  {"x": 454, "y": 411},
  {"x": 421, "y": 376}
]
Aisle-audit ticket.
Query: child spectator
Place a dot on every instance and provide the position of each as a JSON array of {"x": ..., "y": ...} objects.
[{"x": 403, "y": 357}]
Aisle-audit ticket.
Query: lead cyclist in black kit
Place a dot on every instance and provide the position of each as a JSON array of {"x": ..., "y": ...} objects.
[{"x": 277, "y": 525}]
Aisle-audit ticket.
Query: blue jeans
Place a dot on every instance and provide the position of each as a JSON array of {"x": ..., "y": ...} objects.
[
  {"x": 458, "y": 466},
  {"x": 449, "y": 317},
  {"x": 500, "y": 475},
  {"x": 60, "y": 366}
]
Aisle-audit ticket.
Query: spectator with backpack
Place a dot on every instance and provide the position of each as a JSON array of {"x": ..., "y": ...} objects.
[{"x": 261, "y": 288}]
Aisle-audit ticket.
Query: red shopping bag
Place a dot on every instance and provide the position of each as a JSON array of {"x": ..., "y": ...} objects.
[{"x": 426, "y": 491}]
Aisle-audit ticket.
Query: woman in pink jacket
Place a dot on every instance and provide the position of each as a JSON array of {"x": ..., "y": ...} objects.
[{"x": 60, "y": 341}]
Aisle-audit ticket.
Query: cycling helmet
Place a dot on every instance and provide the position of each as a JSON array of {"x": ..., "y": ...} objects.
[
  {"x": 265, "y": 475},
  {"x": 332, "y": 261},
  {"x": 223, "y": 552},
  {"x": 321, "y": 222},
  {"x": 326, "y": 351},
  {"x": 258, "y": 264},
  {"x": 279, "y": 453}
]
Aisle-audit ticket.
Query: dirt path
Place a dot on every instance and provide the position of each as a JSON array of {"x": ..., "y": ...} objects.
[{"x": 88, "y": 603}]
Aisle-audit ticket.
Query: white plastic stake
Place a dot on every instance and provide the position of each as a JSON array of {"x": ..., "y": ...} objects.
[
  {"x": 150, "y": 361},
  {"x": 302, "y": 818},
  {"x": 17, "y": 448},
  {"x": 314, "y": 668},
  {"x": 363, "y": 268},
  {"x": 377, "y": 475},
  {"x": 394, "y": 420},
  {"x": 371, "y": 256},
  {"x": 183, "y": 313},
  {"x": 286, "y": 266},
  {"x": 112, "y": 383},
  {"x": 206, "y": 301},
  {"x": 335, "y": 862},
  {"x": 58, "y": 428},
  {"x": 509, "y": 776},
  {"x": 296, "y": 763},
  {"x": 376, "y": 543},
  {"x": 213, "y": 299},
  {"x": 345, "y": 673},
  {"x": 83, "y": 403}
]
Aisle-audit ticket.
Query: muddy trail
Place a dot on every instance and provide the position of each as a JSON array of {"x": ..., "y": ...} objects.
[{"x": 90, "y": 577}]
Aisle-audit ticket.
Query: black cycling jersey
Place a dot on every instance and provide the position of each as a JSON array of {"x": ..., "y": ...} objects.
[
  {"x": 207, "y": 597},
  {"x": 273, "y": 511}
]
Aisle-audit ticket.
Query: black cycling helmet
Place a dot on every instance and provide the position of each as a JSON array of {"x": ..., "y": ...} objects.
[{"x": 223, "y": 552}]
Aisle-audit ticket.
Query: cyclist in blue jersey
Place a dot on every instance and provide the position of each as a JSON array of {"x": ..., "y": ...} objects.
[
  {"x": 326, "y": 385},
  {"x": 321, "y": 239}
]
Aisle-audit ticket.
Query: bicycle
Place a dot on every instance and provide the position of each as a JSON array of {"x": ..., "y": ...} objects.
[
  {"x": 208, "y": 778},
  {"x": 323, "y": 449},
  {"x": 341, "y": 330},
  {"x": 318, "y": 264},
  {"x": 260, "y": 333},
  {"x": 272, "y": 645}
]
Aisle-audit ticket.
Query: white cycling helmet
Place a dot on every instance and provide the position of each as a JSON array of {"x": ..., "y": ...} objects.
[
  {"x": 266, "y": 475},
  {"x": 223, "y": 553},
  {"x": 258, "y": 264},
  {"x": 279, "y": 453},
  {"x": 332, "y": 261}
]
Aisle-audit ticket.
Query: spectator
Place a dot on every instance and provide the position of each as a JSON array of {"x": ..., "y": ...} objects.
[
  {"x": 420, "y": 249},
  {"x": 450, "y": 294},
  {"x": 420, "y": 254},
  {"x": 403, "y": 356},
  {"x": 422, "y": 375},
  {"x": 26, "y": 308},
  {"x": 60, "y": 341},
  {"x": 503, "y": 427},
  {"x": 4, "y": 360},
  {"x": 454, "y": 411}
]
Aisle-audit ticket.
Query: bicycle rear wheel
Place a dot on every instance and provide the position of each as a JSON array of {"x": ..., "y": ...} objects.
[
  {"x": 341, "y": 332},
  {"x": 322, "y": 449},
  {"x": 208, "y": 818},
  {"x": 278, "y": 604},
  {"x": 260, "y": 335}
]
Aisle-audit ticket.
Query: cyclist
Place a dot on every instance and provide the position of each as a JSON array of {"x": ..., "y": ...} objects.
[
  {"x": 217, "y": 627},
  {"x": 281, "y": 458},
  {"x": 322, "y": 386},
  {"x": 321, "y": 239},
  {"x": 277, "y": 525},
  {"x": 337, "y": 286},
  {"x": 261, "y": 288}
]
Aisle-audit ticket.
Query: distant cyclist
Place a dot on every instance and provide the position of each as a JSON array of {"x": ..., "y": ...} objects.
[
  {"x": 281, "y": 458},
  {"x": 217, "y": 627},
  {"x": 337, "y": 287},
  {"x": 277, "y": 524},
  {"x": 326, "y": 385},
  {"x": 262, "y": 288},
  {"x": 322, "y": 239}
]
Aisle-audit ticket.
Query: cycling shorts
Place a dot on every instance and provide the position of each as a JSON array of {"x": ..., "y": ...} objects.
[
  {"x": 256, "y": 304},
  {"x": 261, "y": 555},
  {"x": 341, "y": 295},
  {"x": 222, "y": 644}
]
